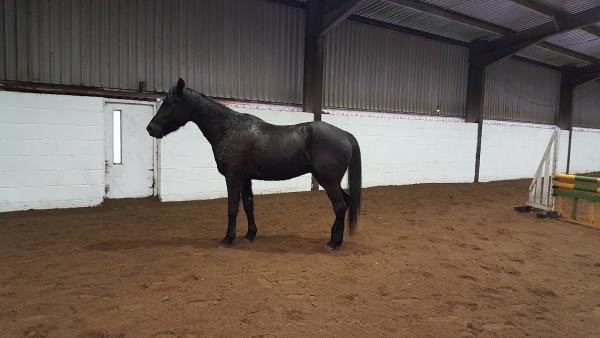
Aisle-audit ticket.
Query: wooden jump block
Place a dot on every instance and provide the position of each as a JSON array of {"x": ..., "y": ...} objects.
[{"x": 579, "y": 207}]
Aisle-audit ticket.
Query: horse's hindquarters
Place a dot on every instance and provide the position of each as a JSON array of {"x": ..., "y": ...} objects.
[{"x": 330, "y": 152}]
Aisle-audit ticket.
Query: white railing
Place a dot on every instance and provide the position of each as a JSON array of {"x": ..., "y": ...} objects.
[{"x": 540, "y": 191}]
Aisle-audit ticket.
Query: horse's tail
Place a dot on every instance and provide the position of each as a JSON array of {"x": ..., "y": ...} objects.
[{"x": 354, "y": 184}]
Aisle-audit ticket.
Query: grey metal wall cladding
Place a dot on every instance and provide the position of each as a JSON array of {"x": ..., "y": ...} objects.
[
  {"x": 376, "y": 69},
  {"x": 520, "y": 91},
  {"x": 586, "y": 105},
  {"x": 245, "y": 49}
]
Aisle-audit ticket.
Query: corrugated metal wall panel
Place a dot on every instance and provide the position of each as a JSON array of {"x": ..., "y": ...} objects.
[
  {"x": 243, "y": 49},
  {"x": 586, "y": 105},
  {"x": 10, "y": 56},
  {"x": 375, "y": 69},
  {"x": 520, "y": 91},
  {"x": 3, "y": 23}
]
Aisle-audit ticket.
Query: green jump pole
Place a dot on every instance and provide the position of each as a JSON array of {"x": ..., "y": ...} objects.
[{"x": 577, "y": 178}]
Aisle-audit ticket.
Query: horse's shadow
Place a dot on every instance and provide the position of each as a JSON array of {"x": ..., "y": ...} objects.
[{"x": 275, "y": 244}]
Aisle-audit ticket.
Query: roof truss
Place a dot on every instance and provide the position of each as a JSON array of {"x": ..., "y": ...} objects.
[
  {"x": 336, "y": 11},
  {"x": 585, "y": 74},
  {"x": 451, "y": 15},
  {"x": 512, "y": 41}
]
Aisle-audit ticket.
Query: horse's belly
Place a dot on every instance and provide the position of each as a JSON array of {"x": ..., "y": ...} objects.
[
  {"x": 282, "y": 171},
  {"x": 282, "y": 154}
]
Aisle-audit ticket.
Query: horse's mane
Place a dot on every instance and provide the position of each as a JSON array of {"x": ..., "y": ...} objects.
[{"x": 201, "y": 102}]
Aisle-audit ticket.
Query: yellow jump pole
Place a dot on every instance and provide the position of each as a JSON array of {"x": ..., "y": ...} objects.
[
  {"x": 571, "y": 186},
  {"x": 571, "y": 178}
]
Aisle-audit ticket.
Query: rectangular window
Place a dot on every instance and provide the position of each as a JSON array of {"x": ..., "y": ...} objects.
[{"x": 117, "y": 137}]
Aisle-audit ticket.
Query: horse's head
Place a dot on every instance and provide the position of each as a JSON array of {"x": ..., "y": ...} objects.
[{"x": 172, "y": 114}]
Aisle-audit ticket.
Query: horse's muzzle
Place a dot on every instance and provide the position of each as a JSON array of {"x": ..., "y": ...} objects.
[{"x": 154, "y": 131}]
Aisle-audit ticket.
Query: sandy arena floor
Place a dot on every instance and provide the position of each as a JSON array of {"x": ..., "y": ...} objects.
[{"x": 436, "y": 260}]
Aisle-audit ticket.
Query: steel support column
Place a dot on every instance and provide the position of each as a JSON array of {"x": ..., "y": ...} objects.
[
  {"x": 475, "y": 96},
  {"x": 312, "y": 99}
]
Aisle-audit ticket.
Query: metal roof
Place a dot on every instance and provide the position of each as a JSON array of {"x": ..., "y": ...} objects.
[
  {"x": 570, "y": 6},
  {"x": 512, "y": 15},
  {"x": 504, "y": 13},
  {"x": 411, "y": 18},
  {"x": 543, "y": 55},
  {"x": 579, "y": 41}
]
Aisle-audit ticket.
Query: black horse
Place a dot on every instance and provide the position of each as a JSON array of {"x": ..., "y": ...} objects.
[{"x": 246, "y": 147}]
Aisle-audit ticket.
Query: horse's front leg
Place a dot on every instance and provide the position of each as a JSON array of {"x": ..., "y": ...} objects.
[
  {"x": 234, "y": 188},
  {"x": 248, "y": 201}
]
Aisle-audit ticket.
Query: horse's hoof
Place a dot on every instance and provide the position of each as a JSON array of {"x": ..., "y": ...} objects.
[
  {"x": 250, "y": 237},
  {"x": 226, "y": 243},
  {"x": 331, "y": 246}
]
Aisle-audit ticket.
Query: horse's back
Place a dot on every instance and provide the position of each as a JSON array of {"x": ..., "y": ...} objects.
[
  {"x": 280, "y": 152},
  {"x": 309, "y": 135}
]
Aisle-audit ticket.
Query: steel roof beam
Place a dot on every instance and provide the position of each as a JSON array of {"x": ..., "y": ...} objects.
[
  {"x": 509, "y": 45},
  {"x": 291, "y": 3},
  {"x": 528, "y": 38},
  {"x": 451, "y": 15},
  {"x": 402, "y": 29},
  {"x": 550, "y": 12},
  {"x": 331, "y": 12},
  {"x": 568, "y": 52},
  {"x": 336, "y": 13},
  {"x": 592, "y": 30},
  {"x": 581, "y": 19},
  {"x": 585, "y": 74},
  {"x": 536, "y": 7}
]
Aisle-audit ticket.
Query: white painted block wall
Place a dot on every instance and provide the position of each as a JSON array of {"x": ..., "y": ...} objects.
[
  {"x": 188, "y": 170},
  {"x": 401, "y": 149},
  {"x": 51, "y": 151},
  {"x": 585, "y": 152},
  {"x": 511, "y": 150}
]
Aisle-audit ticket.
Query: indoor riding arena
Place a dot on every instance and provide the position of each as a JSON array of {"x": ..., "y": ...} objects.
[{"x": 299, "y": 168}]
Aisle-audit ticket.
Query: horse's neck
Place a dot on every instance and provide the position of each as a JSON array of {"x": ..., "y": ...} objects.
[{"x": 210, "y": 116}]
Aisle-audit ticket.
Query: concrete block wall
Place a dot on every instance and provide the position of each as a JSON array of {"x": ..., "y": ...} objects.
[
  {"x": 188, "y": 170},
  {"x": 585, "y": 156},
  {"x": 511, "y": 150},
  {"x": 404, "y": 149},
  {"x": 51, "y": 151}
]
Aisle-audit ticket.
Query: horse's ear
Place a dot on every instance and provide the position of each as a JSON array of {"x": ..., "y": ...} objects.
[{"x": 180, "y": 86}]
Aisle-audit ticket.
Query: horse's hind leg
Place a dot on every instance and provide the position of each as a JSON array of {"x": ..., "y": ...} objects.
[
  {"x": 346, "y": 197},
  {"x": 248, "y": 201},
  {"x": 339, "y": 204}
]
